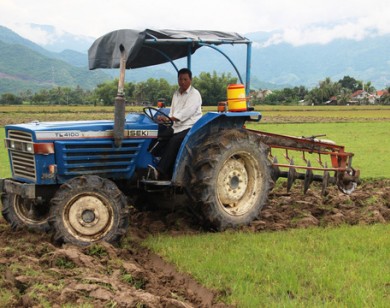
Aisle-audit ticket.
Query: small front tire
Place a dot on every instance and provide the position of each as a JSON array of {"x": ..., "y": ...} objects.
[
  {"x": 22, "y": 213},
  {"x": 89, "y": 209}
]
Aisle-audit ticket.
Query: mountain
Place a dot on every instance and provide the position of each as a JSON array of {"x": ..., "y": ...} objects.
[
  {"x": 60, "y": 40},
  {"x": 9, "y": 37},
  {"x": 73, "y": 57},
  {"x": 25, "y": 65},
  {"x": 283, "y": 64},
  {"x": 366, "y": 60}
]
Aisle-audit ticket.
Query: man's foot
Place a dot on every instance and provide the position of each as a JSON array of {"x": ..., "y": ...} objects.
[{"x": 152, "y": 173}]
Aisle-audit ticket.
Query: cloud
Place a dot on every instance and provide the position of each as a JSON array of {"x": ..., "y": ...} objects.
[
  {"x": 297, "y": 22},
  {"x": 42, "y": 35},
  {"x": 354, "y": 29},
  {"x": 321, "y": 35}
]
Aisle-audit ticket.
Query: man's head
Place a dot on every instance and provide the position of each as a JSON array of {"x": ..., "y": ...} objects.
[{"x": 184, "y": 78}]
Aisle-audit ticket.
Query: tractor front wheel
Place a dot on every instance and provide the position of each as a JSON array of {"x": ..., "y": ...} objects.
[
  {"x": 231, "y": 178},
  {"x": 89, "y": 209},
  {"x": 21, "y": 213}
]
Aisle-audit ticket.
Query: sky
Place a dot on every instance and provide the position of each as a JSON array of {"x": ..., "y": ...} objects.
[{"x": 293, "y": 21}]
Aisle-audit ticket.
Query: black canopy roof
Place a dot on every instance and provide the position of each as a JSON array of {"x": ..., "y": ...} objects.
[{"x": 151, "y": 47}]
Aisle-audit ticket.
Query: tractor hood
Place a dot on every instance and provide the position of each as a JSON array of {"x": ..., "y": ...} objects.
[
  {"x": 79, "y": 130},
  {"x": 151, "y": 47}
]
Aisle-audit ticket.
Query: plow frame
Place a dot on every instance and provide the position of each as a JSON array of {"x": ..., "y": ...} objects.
[{"x": 345, "y": 176}]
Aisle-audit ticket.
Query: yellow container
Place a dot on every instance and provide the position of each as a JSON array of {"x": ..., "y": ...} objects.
[{"x": 236, "y": 97}]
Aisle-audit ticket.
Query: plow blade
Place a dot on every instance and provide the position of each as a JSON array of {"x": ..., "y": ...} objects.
[{"x": 344, "y": 176}]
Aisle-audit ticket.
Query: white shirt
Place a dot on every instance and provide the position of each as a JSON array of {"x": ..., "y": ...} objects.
[{"x": 187, "y": 108}]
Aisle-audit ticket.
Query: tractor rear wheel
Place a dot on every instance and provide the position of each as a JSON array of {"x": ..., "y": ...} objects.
[
  {"x": 231, "y": 178},
  {"x": 21, "y": 213},
  {"x": 88, "y": 209}
]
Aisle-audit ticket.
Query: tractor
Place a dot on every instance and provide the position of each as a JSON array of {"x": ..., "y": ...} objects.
[{"x": 75, "y": 179}]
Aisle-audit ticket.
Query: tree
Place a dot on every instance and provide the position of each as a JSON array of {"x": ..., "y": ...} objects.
[
  {"x": 75, "y": 96},
  {"x": 40, "y": 97},
  {"x": 328, "y": 89},
  {"x": 368, "y": 87},
  {"x": 354, "y": 85},
  {"x": 344, "y": 96},
  {"x": 152, "y": 90},
  {"x": 106, "y": 92},
  {"x": 325, "y": 90},
  {"x": 26, "y": 95},
  {"x": 350, "y": 83},
  {"x": 286, "y": 96},
  {"x": 10, "y": 99},
  {"x": 385, "y": 99}
]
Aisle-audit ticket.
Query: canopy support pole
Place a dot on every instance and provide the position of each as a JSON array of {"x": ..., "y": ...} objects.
[{"x": 120, "y": 102}]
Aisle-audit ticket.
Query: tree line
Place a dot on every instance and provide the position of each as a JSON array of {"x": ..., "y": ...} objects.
[
  {"x": 211, "y": 85},
  {"x": 326, "y": 90}
]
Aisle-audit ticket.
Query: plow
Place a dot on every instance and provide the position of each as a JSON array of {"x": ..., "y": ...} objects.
[{"x": 333, "y": 163}]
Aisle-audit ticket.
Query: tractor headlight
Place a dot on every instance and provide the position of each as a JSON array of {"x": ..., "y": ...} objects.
[{"x": 30, "y": 148}]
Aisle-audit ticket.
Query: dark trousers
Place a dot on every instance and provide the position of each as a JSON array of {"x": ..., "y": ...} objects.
[{"x": 168, "y": 157}]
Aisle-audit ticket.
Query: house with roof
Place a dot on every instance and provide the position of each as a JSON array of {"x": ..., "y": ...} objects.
[
  {"x": 362, "y": 97},
  {"x": 260, "y": 94},
  {"x": 380, "y": 94}
]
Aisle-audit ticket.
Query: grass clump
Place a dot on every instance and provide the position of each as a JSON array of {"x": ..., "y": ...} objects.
[
  {"x": 64, "y": 263},
  {"x": 96, "y": 250},
  {"x": 131, "y": 280}
]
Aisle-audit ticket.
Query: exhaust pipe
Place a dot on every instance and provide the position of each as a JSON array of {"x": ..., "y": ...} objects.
[{"x": 119, "y": 116}]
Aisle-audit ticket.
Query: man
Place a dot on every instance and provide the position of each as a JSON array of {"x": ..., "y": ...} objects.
[{"x": 186, "y": 109}]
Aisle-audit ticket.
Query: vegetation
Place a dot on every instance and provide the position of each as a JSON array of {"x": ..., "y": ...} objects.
[
  {"x": 4, "y": 165},
  {"x": 24, "y": 69},
  {"x": 212, "y": 86},
  {"x": 286, "y": 96},
  {"x": 339, "y": 92}
]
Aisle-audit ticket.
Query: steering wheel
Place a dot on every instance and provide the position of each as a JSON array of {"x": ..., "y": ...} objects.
[{"x": 157, "y": 116}]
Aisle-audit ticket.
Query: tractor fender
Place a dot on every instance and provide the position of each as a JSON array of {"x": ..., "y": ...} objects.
[{"x": 210, "y": 123}]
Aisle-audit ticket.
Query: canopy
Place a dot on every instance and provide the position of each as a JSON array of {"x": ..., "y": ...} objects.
[{"x": 151, "y": 47}]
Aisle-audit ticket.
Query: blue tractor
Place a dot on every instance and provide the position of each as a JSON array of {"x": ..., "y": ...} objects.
[{"x": 76, "y": 178}]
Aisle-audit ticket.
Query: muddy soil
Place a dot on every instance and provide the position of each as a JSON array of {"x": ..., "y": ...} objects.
[{"x": 35, "y": 273}]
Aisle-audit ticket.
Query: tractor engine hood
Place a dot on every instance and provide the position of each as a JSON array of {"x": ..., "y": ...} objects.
[
  {"x": 136, "y": 125},
  {"x": 48, "y": 153}
]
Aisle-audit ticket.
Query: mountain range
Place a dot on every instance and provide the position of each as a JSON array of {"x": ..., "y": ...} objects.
[{"x": 25, "y": 65}]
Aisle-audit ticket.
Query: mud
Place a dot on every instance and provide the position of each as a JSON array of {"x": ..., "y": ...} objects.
[{"x": 35, "y": 273}]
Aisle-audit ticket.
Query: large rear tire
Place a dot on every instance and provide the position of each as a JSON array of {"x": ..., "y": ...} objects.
[
  {"x": 231, "y": 178},
  {"x": 89, "y": 209},
  {"x": 25, "y": 213}
]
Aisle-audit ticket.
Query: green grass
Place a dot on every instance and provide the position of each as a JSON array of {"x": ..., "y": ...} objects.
[
  {"x": 325, "y": 113},
  {"x": 4, "y": 162},
  {"x": 335, "y": 267}
]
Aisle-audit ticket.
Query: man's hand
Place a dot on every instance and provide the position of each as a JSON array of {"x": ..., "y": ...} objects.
[{"x": 163, "y": 119}]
